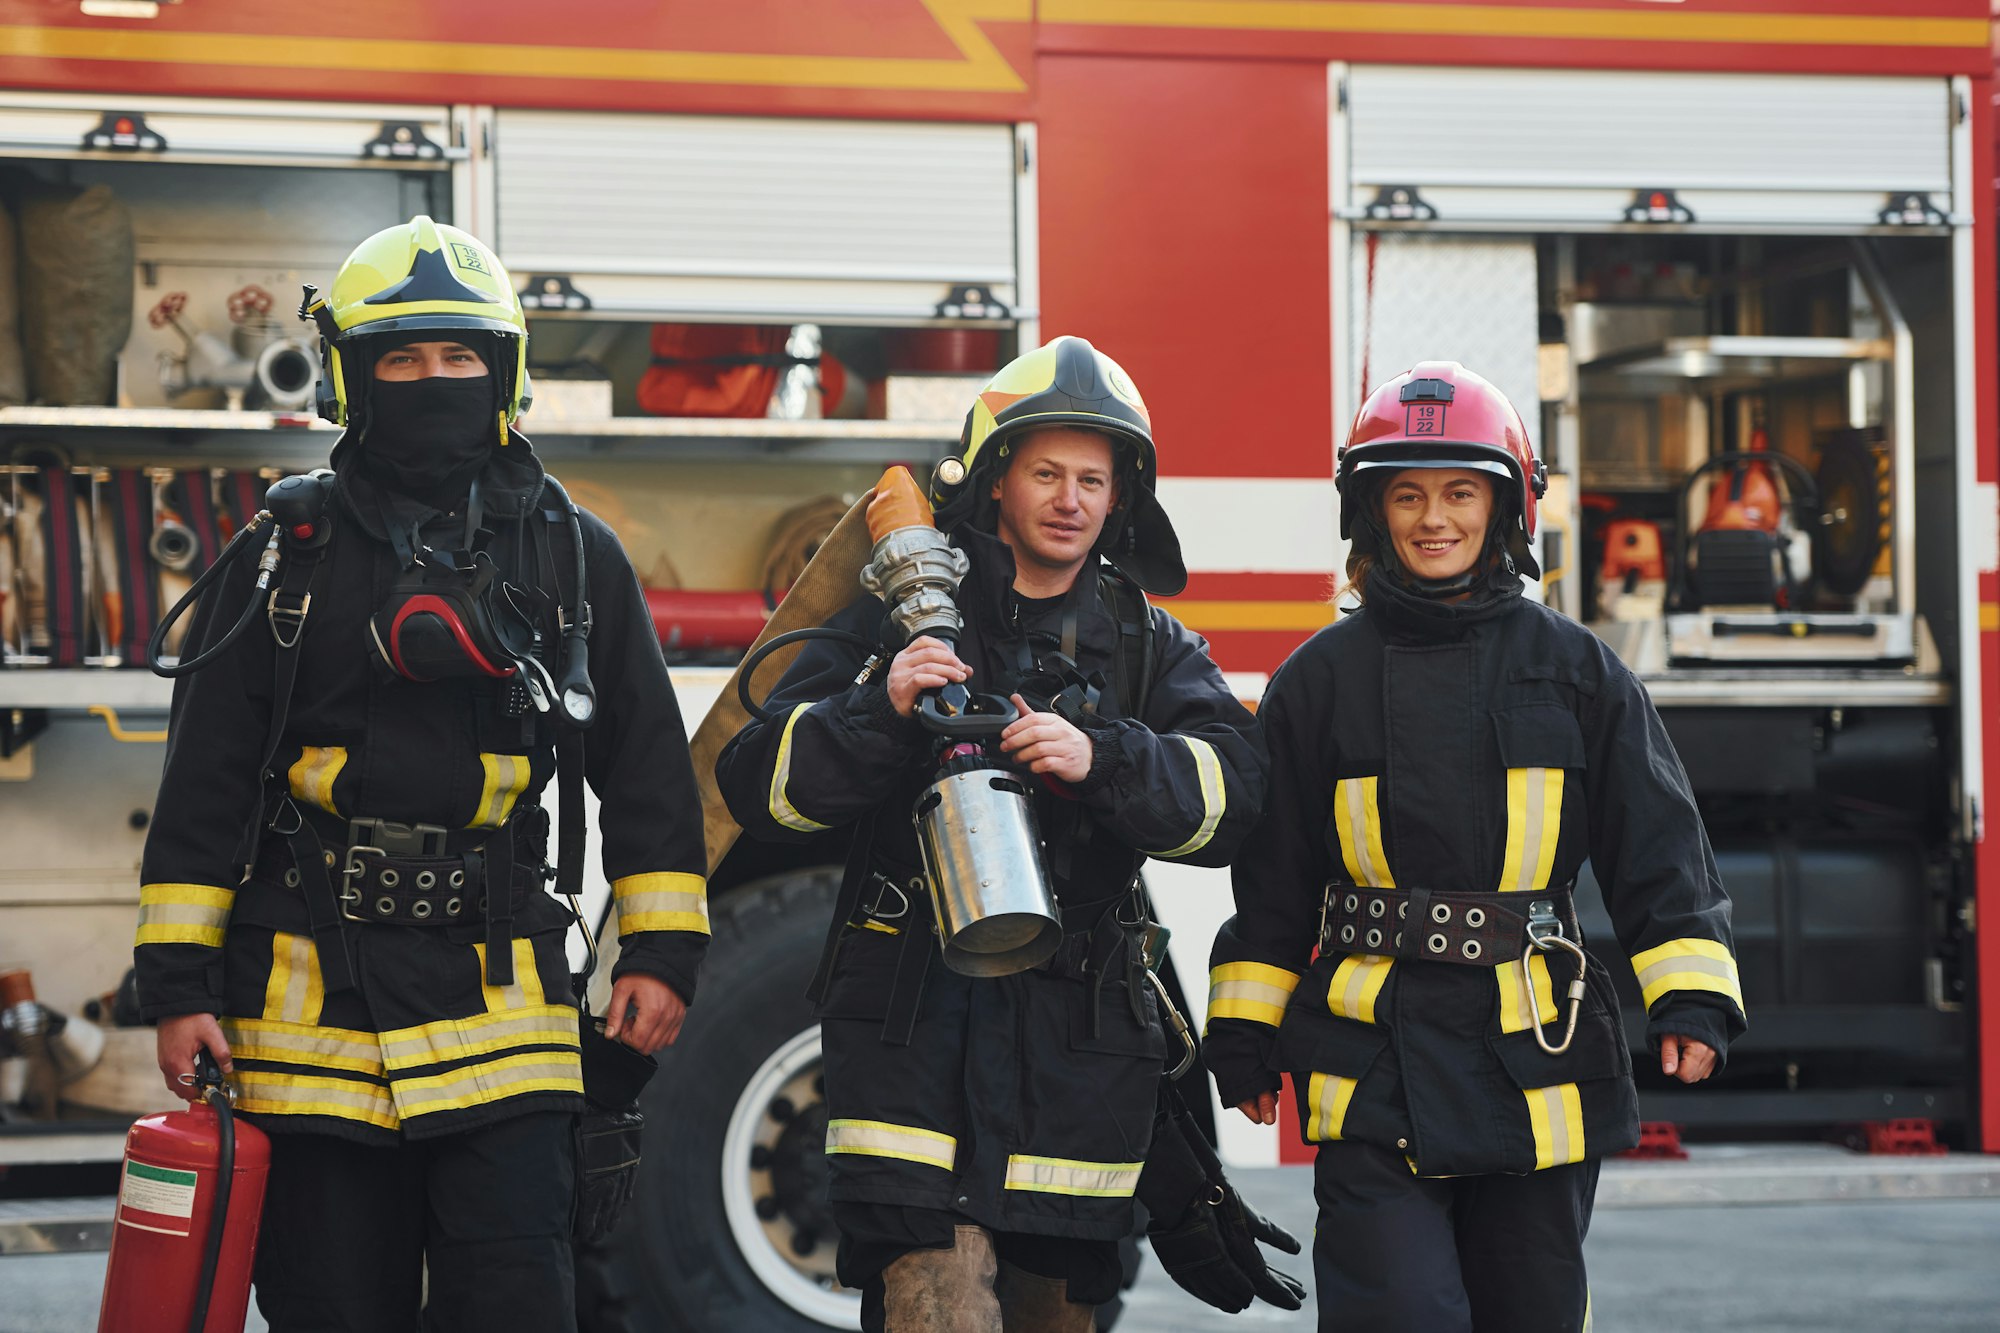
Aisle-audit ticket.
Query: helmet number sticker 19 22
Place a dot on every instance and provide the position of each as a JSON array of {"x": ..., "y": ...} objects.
[
  {"x": 1423, "y": 419},
  {"x": 469, "y": 258}
]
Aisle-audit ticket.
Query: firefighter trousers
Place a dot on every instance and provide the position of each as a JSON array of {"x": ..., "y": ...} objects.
[
  {"x": 1395, "y": 1251},
  {"x": 350, "y": 1230}
]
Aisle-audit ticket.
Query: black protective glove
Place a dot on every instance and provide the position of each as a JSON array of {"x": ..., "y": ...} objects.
[
  {"x": 1203, "y": 1233},
  {"x": 1212, "y": 1254}
]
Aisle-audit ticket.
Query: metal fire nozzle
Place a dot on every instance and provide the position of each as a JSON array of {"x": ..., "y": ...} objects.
[{"x": 914, "y": 570}]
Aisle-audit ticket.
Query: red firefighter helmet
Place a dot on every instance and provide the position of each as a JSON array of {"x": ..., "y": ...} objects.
[{"x": 1439, "y": 414}]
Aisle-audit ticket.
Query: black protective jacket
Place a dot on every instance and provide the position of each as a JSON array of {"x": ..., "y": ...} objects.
[
  {"x": 1487, "y": 746},
  {"x": 422, "y": 1045},
  {"x": 1024, "y": 1103}
]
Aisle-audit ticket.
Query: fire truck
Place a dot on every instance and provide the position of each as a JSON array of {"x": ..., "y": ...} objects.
[{"x": 1733, "y": 258}]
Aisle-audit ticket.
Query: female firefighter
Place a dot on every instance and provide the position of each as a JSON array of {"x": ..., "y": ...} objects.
[{"x": 1442, "y": 762}]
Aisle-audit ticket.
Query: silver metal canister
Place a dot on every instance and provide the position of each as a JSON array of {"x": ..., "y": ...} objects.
[{"x": 995, "y": 909}]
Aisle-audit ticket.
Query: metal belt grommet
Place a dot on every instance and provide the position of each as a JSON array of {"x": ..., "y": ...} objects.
[
  {"x": 427, "y": 880},
  {"x": 1375, "y": 937},
  {"x": 292, "y": 878},
  {"x": 457, "y": 879},
  {"x": 1398, "y": 946},
  {"x": 385, "y": 905},
  {"x": 329, "y": 860},
  {"x": 1376, "y": 907},
  {"x": 1403, "y": 910},
  {"x": 421, "y": 908},
  {"x": 390, "y": 877},
  {"x": 453, "y": 906},
  {"x": 1440, "y": 913},
  {"x": 1347, "y": 934},
  {"x": 1471, "y": 948},
  {"x": 1437, "y": 942},
  {"x": 1475, "y": 917},
  {"x": 1353, "y": 904}
]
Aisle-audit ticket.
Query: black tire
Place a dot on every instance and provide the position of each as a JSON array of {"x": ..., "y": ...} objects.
[{"x": 673, "y": 1265}]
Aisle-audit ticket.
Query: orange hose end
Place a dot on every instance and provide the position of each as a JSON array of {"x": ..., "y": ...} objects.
[{"x": 899, "y": 503}]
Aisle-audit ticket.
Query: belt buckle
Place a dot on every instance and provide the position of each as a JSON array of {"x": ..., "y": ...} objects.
[
  {"x": 385, "y": 837},
  {"x": 350, "y": 867}
]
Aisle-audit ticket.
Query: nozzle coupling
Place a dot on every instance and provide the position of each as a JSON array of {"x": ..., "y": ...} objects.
[{"x": 916, "y": 572}]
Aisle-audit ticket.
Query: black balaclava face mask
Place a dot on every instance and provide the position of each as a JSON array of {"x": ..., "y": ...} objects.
[{"x": 428, "y": 438}]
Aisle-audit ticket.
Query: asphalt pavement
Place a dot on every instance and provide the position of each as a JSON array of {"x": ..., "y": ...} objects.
[{"x": 1758, "y": 1241}]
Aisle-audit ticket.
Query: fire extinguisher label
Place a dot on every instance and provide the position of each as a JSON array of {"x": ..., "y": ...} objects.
[{"x": 157, "y": 1198}]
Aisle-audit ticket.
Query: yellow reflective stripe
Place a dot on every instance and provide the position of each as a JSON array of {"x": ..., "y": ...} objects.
[
  {"x": 492, "y": 1081},
  {"x": 1534, "y": 826},
  {"x": 1327, "y": 1096},
  {"x": 183, "y": 914},
  {"x": 506, "y": 778},
  {"x": 661, "y": 900},
  {"x": 1687, "y": 964},
  {"x": 880, "y": 1138},
  {"x": 1513, "y": 994},
  {"x": 479, "y": 1034},
  {"x": 1556, "y": 1117},
  {"x": 527, "y": 987},
  {"x": 303, "y": 1044},
  {"x": 1250, "y": 990},
  {"x": 782, "y": 808},
  {"x": 295, "y": 992},
  {"x": 1214, "y": 796},
  {"x": 1063, "y": 1175},
  {"x": 1356, "y": 985},
  {"x": 311, "y": 778},
  {"x": 1359, "y": 821},
  {"x": 260, "y": 1090}
]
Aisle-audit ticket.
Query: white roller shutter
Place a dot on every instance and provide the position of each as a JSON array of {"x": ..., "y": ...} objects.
[
  {"x": 709, "y": 214},
  {"x": 117, "y": 127},
  {"x": 1514, "y": 147}
]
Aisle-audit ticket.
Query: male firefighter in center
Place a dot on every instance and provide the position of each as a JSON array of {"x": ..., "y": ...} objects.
[
  {"x": 390, "y": 974},
  {"x": 987, "y": 1134}
]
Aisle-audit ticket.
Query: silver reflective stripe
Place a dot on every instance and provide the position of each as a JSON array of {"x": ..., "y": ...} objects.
[
  {"x": 879, "y": 1138},
  {"x": 1214, "y": 796},
  {"x": 1061, "y": 1175},
  {"x": 1552, "y": 1102},
  {"x": 1666, "y": 967},
  {"x": 782, "y": 808}
]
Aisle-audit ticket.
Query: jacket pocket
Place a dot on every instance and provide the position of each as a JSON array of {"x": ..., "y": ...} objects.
[
  {"x": 1118, "y": 1032},
  {"x": 864, "y": 974},
  {"x": 1597, "y": 1051},
  {"x": 1539, "y": 735},
  {"x": 1312, "y": 1042}
]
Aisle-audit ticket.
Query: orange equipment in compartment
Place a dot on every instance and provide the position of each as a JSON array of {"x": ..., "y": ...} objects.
[{"x": 1748, "y": 498}]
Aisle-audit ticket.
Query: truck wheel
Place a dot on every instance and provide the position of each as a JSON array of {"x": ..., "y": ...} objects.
[{"x": 729, "y": 1226}]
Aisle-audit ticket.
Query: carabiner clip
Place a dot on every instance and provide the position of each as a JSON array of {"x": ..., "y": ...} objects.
[
  {"x": 1545, "y": 935},
  {"x": 1179, "y": 1025}
]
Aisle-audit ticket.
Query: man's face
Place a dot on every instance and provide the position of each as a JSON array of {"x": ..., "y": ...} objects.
[
  {"x": 422, "y": 361},
  {"x": 1055, "y": 496},
  {"x": 1437, "y": 519}
]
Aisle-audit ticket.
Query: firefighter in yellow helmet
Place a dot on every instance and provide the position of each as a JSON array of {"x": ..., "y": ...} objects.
[
  {"x": 389, "y": 980},
  {"x": 987, "y": 1134}
]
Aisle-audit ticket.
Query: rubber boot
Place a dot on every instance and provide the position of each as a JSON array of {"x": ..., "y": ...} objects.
[
  {"x": 943, "y": 1291},
  {"x": 1030, "y": 1303}
]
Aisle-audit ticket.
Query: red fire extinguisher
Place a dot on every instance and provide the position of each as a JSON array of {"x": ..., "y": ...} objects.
[{"x": 188, "y": 1208}]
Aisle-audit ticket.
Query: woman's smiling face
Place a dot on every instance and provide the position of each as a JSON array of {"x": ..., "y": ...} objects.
[{"x": 1437, "y": 519}]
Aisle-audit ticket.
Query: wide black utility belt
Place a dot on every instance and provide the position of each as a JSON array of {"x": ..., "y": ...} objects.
[
  {"x": 382, "y": 872},
  {"x": 1473, "y": 929},
  {"x": 1440, "y": 926}
]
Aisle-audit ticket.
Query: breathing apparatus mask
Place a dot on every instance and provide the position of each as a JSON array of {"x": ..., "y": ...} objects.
[{"x": 453, "y": 615}]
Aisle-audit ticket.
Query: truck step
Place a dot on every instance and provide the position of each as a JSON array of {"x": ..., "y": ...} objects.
[{"x": 56, "y": 1226}]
